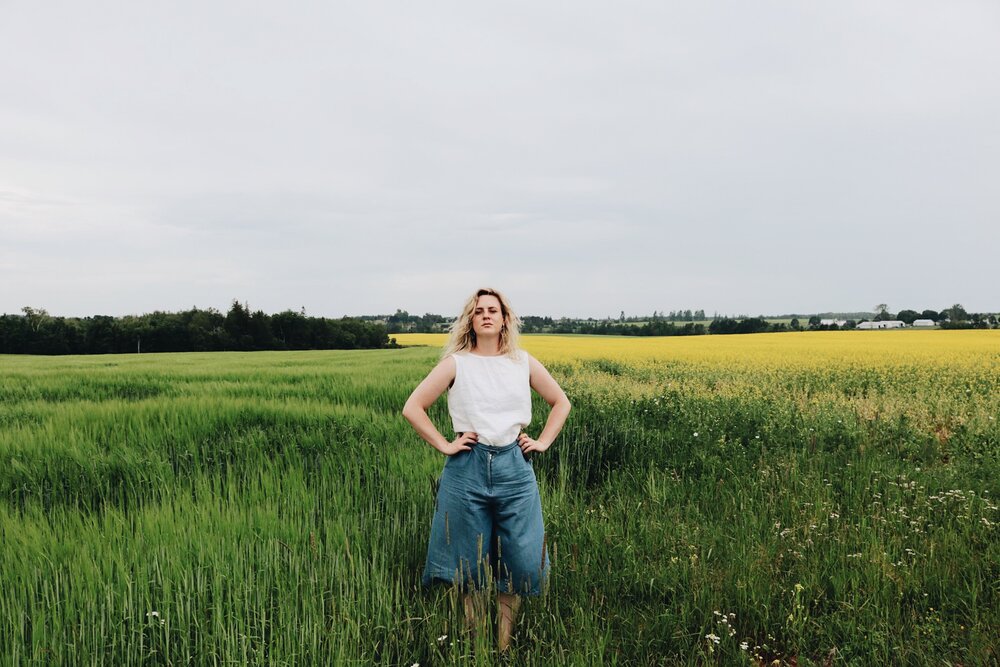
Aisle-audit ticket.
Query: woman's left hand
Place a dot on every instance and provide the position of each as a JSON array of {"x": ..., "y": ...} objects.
[{"x": 528, "y": 444}]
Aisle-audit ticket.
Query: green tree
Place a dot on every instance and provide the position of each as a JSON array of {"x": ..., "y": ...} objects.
[
  {"x": 99, "y": 336},
  {"x": 292, "y": 329},
  {"x": 956, "y": 313},
  {"x": 260, "y": 331},
  {"x": 238, "y": 326},
  {"x": 36, "y": 317}
]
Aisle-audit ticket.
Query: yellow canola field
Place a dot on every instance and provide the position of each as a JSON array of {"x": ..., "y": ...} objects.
[{"x": 974, "y": 349}]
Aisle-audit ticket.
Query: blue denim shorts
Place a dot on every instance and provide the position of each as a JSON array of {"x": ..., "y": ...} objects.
[{"x": 488, "y": 523}]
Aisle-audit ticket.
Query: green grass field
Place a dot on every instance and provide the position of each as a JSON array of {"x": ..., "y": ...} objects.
[{"x": 273, "y": 508}]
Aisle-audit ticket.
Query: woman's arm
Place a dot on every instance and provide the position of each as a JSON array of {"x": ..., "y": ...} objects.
[
  {"x": 543, "y": 382},
  {"x": 423, "y": 397}
]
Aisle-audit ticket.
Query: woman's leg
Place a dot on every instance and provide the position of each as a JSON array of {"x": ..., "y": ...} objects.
[
  {"x": 475, "y": 611},
  {"x": 506, "y": 616},
  {"x": 458, "y": 548}
]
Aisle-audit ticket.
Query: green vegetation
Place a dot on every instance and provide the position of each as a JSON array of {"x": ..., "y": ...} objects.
[
  {"x": 37, "y": 332},
  {"x": 273, "y": 508}
]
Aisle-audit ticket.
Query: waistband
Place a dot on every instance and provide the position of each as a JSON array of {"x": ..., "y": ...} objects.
[{"x": 496, "y": 449}]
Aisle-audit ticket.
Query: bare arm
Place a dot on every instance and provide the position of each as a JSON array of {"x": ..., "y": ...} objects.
[
  {"x": 423, "y": 397},
  {"x": 547, "y": 387}
]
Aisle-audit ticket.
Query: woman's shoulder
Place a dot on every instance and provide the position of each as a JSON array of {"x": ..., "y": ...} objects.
[
  {"x": 448, "y": 364},
  {"x": 447, "y": 368}
]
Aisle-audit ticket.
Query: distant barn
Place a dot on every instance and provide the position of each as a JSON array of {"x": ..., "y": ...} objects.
[
  {"x": 923, "y": 323},
  {"x": 827, "y": 323},
  {"x": 885, "y": 324}
]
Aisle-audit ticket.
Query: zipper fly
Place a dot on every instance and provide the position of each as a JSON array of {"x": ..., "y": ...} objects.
[{"x": 489, "y": 471}]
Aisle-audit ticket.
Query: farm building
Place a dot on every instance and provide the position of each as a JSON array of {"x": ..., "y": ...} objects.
[
  {"x": 826, "y": 323},
  {"x": 923, "y": 323},
  {"x": 885, "y": 324}
]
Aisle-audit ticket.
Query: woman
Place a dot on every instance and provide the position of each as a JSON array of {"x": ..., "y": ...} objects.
[{"x": 488, "y": 514}]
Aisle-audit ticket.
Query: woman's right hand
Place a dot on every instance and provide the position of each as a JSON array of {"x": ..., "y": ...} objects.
[{"x": 461, "y": 443}]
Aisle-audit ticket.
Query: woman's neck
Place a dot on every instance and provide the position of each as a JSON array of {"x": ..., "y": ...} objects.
[{"x": 487, "y": 347}]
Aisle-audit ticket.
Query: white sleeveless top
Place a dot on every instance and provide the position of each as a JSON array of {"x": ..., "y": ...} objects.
[{"x": 491, "y": 396}]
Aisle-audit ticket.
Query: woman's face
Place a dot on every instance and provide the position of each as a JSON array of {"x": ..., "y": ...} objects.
[{"x": 487, "y": 318}]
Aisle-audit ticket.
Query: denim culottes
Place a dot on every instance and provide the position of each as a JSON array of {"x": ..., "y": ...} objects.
[{"x": 488, "y": 523}]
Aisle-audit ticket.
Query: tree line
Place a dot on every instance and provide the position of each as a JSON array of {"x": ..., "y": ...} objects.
[
  {"x": 34, "y": 331},
  {"x": 666, "y": 324}
]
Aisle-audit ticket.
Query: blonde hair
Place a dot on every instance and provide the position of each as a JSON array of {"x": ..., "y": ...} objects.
[{"x": 462, "y": 336}]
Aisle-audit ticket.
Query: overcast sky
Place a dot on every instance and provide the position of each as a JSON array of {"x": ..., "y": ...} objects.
[{"x": 583, "y": 157}]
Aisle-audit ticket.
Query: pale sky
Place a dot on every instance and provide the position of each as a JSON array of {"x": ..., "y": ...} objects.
[{"x": 583, "y": 157}]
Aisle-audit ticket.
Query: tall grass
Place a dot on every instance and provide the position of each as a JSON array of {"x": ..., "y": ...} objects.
[{"x": 273, "y": 508}]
